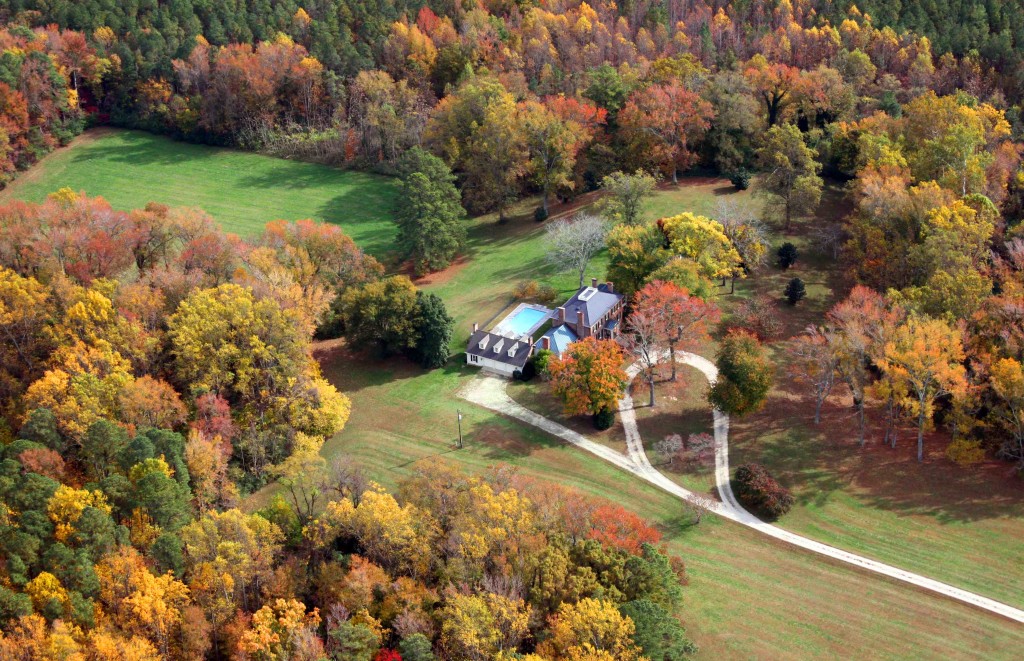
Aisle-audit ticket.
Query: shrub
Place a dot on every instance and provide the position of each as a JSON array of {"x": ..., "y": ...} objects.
[
  {"x": 604, "y": 419},
  {"x": 759, "y": 315},
  {"x": 965, "y": 452},
  {"x": 740, "y": 179},
  {"x": 540, "y": 214},
  {"x": 527, "y": 289},
  {"x": 517, "y": 375},
  {"x": 540, "y": 361},
  {"x": 529, "y": 371},
  {"x": 758, "y": 491},
  {"x": 795, "y": 291},
  {"x": 547, "y": 294},
  {"x": 787, "y": 254}
]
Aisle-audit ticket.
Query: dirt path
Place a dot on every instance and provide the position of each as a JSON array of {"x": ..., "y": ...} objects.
[{"x": 490, "y": 392}]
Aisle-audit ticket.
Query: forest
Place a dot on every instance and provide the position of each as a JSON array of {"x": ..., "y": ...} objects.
[{"x": 156, "y": 371}]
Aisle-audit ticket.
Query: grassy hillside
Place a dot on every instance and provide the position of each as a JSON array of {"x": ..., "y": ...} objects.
[{"x": 241, "y": 190}]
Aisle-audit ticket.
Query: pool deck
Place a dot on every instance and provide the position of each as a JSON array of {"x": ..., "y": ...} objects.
[{"x": 501, "y": 328}]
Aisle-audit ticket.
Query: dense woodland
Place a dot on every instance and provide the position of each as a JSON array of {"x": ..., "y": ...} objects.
[{"x": 154, "y": 370}]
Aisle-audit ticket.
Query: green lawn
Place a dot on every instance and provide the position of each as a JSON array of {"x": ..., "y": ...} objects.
[{"x": 243, "y": 191}]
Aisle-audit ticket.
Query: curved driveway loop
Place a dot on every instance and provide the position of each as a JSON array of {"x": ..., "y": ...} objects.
[{"x": 489, "y": 392}]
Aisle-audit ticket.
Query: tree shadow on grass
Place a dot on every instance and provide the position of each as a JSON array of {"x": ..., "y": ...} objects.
[{"x": 139, "y": 149}]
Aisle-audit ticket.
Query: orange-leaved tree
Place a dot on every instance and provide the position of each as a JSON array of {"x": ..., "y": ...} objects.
[{"x": 590, "y": 377}]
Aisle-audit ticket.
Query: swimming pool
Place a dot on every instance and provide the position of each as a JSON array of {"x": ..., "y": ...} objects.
[{"x": 522, "y": 321}]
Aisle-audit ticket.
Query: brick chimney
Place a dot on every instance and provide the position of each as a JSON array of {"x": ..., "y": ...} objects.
[
  {"x": 561, "y": 315},
  {"x": 581, "y": 329},
  {"x": 593, "y": 283},
  {"x": 545, "y": 343},
  {"x": 476, "y": 327},
  {"x": 610, "y": 286}
]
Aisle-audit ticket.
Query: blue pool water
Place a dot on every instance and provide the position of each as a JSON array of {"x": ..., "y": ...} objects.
[{"x": 522, "y": 321}]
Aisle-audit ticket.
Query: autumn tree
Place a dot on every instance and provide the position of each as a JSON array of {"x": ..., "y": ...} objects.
[
  {"x": 573, "y": 242},
  {"x": 643, "y": 337},
  {"x": 744, "y": 375},
  {"x": 483, "y": 626},
  {"x": 591, "y": 628},
  {"x": 589, "y": 378},
  {"x": 863, "y": 324},
  {"x": 477, "y": 131},
  {"x": 684, "y": 320},
  {"x": 1007, "y": 379},
  {"x": 429, "y": 216},
  {"x": 790, "y": 180},
  {"x": 814, "y": 363},
  {"x": 664, "y": 124},
  {"x": 704, "y": 241},
  {"x": 552, "y": 142},
  {"x": 927, "y": 355}
]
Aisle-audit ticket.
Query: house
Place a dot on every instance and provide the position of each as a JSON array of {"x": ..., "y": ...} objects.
[
  {"x": 497, "y": 353},
  {"x": 594, "y": 311}
]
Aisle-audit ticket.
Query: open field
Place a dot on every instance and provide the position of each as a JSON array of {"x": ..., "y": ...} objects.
[
  {"x": 241, "y": 190},
  {"x": 749, "y": 597}
]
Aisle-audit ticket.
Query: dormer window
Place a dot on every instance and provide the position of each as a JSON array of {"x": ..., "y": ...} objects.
[
  {"x": 484, "y": 341},
  {"x": 512, "y": 350},
  {"x": 499, "y": 345}
]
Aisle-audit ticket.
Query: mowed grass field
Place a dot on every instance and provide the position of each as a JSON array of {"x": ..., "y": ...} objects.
[
  {"x": 241, "y": 190},
  {"x": 748, "y": 597}
]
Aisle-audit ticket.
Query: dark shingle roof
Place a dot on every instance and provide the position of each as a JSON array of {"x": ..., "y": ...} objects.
[
  {"x": 594, "y": 307},
  {"x": 522, "y": 353}
]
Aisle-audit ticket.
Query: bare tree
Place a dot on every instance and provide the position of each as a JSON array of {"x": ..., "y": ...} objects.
[
  {"x": 815, "y": 363},
  {"x": 644, "y": 329},
  {"x": 699, "y": 505},
  {"x": 573, "y": 242},
  {"x": 746, "y": 232},
  {"x": 829, "y": 237},
  {"x": 669, "y": 448}
]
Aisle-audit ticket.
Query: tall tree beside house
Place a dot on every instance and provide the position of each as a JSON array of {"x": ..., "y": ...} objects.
[
  {"x": 790, "y": 180},
  {"x": 744, "y": 375},
  {"x": 433, "y": 331},
  {"x": 430, "y": 215},
  {"x": 634, "y": 253},
  {"x": 573, "y": 242},
  {"x": 382, "y": 315},
  {"x": 927, "y": 356},
  {"x": 589, "y": 378}
]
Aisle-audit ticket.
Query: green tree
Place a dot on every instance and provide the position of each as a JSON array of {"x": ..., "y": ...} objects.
[
  {"x": 429, "y": 215},
  {"x": 434, "y": 329},
  {"x": 382, "y": 315},
  {"x": 416, "y": 647},
  {"x": 624, "y": 196},
  {"x": 790, "y": 180},
  {"x": 795, "y": 291},
  {"x": 103, "y": 442},
  {"x": 744, "y": 375},
  {"x": 634, "y": 253},
  {"x": 660, "y": 636}
]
